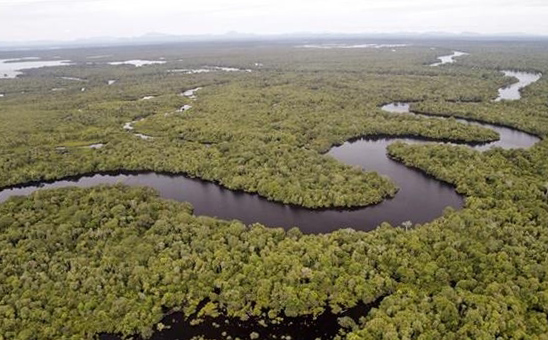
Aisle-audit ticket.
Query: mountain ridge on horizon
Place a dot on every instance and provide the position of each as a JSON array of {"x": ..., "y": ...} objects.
[{"x": 159, "y": 37}]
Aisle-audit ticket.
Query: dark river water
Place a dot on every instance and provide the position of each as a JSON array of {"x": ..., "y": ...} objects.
[
  {"x": 325, "y": 326},
  {"x": 420, "y": 198}
]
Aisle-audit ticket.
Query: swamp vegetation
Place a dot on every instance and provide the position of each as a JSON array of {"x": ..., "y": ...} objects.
[{"x": 76, "y": 263}]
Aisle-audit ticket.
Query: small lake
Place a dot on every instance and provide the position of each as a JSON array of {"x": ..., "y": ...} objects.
[
  {"x": 207, "y": 69},
  {"x": 345, "y": 46},
  {"x": 11, "y": 68},
  {"x": 137, "y": 62}
]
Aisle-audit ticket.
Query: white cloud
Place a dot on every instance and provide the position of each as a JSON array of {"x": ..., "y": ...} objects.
[{"x": 69, "y": 19}]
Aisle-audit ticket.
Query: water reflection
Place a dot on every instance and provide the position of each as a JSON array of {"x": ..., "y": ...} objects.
[{"x": 512, "y": 92}]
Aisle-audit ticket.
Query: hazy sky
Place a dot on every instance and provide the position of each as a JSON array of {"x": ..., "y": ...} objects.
[{"x": 70, "y": 19}]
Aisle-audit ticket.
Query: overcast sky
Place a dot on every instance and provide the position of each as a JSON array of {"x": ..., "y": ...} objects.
[{"x": 23, "y": 20}]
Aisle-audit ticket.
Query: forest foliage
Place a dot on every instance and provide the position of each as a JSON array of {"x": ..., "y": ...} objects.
[
  {"x": 78, "y": 262},
  {"x": 262, "y": 131}
]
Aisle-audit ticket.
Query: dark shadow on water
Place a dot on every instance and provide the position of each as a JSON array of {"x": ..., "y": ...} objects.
[{"x": 325, "y": 326}]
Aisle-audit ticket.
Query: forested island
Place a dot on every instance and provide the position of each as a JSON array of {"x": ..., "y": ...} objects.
[{"x": 112, "y": 261}]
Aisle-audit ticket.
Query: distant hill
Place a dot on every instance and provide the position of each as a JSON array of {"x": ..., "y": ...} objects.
[{"x": 159, "y": 38}]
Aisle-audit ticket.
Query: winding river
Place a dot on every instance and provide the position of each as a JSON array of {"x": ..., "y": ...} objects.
[
  {"x": 419, "y": 199},
  {"x": 512, "y": 92}
]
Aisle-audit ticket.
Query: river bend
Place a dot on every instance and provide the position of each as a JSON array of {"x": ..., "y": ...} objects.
[{"x": 420, "y": 198}]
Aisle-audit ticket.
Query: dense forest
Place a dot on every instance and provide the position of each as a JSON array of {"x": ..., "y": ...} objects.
[
  {"x": 75, "y": 263},
  {"x": 261, "y": 131}
]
